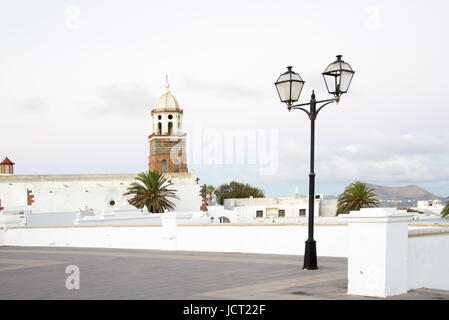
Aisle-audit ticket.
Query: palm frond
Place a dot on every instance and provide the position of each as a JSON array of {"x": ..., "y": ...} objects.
[
  {"x": 356, "y": 196},
  {"x": 445, "y": 211},
  {"x": 152, "y": 191}
]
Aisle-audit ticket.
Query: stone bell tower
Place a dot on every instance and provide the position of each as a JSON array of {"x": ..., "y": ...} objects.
[{"x": 167, "y": 142}]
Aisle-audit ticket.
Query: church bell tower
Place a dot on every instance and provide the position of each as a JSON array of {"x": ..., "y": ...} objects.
[{"x": 167, "y": 142}]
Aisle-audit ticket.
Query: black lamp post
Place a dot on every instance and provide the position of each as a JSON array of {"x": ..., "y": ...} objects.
[{"x": 337, "y": 76}]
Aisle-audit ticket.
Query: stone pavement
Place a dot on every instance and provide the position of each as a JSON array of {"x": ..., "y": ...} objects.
[{"x": 39, "y": 273}]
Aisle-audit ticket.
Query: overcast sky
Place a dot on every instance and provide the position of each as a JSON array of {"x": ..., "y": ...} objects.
[{"x": 78, "y": 80}]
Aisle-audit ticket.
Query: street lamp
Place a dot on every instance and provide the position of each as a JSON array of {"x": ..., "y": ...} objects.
[{"x": 337, "y": 77}]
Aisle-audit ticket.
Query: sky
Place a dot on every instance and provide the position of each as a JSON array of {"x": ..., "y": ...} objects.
[{"x": 79, "y": 78}]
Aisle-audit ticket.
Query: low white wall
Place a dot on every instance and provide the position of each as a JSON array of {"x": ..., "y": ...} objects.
[
  {"x": 100, "y": 237},
  {"x": 388, "y": 257},
  {"x": 377, "y": 261},
  {"x": 2, "y": 237},
  {"x": 428, "y": 259},
  {"x": 272, "y": 239},
  {"x": 269, "y": 239}
]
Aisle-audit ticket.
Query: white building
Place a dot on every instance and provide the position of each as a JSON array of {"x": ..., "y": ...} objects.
[
  {"x": 430, "y": 207},
  {"x": 103, "y": 193},
  {"x": 282, "y": 208}
]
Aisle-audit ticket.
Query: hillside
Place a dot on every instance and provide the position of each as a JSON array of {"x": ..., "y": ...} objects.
[{"x": 410, "y": 192}]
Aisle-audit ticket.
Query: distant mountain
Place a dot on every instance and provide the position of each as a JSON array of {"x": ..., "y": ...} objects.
[{"x": 410, "y": 192}]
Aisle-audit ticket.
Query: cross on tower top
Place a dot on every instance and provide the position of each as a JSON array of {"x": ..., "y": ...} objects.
[{"x": 166, "y": 82}]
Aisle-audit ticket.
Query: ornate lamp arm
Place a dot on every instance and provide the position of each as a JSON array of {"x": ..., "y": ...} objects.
[
  {"x": 313, "y": 113},
  {"x": 324, "y": 106}
]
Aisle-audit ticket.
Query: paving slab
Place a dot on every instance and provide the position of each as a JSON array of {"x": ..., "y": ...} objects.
[{"x": 40, "y": 273}]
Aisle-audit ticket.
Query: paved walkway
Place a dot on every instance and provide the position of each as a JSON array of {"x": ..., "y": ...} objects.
[{"x": 39, "y": 273}]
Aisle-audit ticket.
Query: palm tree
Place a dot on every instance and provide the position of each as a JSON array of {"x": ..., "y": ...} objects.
[
  {"x": 445, "y": 211},
  {"x": 210, "y": 190},
  {"x": 357, "y": 195},
  {"x": 151, "y": 191}
]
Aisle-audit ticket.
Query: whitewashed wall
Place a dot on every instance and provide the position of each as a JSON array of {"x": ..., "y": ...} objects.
[
  {"x": 387, "y": 257},
  {"x": 97, "y": 237},
  {"x": 247, "y": 207},
  {"x": 271, "y": 239},
  {"x": 289, "y": 239},
  {"x": 428, "y": 259},
  {"x": 291, "y": 209},
  {"x": 67, "y": 193}
]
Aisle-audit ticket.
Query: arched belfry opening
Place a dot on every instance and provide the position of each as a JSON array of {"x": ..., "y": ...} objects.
[{"x": 167, "y": 135}]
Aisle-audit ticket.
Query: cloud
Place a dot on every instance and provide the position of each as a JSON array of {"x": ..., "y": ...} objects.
[
  {"x": 229, "y": 69},
  {"x": 382, "y": 158},
  {"x": 124, "y": 99},
  {"x": 32, "y": 105},
  {"x": 381, "y": 146},
  {"x": 225, "y": 90}
]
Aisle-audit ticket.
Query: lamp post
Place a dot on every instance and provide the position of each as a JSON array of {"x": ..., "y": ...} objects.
[{"x": 337, "y": 77}]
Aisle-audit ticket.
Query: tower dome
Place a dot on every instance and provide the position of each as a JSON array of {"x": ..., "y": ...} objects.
[{"x": 166, "y": 100}]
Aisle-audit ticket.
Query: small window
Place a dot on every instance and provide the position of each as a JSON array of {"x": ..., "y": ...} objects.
[
  {"x": 224, "y": 220},
  {"x": 170, "y": 116},
  {"x": 259, "y": 213},
  {"x": 164, "y": 166},
  {"x": 281, "y": 213},
  {"x": 318, "y": 197},
  {"x": 176, "y": 169},
  {"x": 112, "y": 203},
  {"x": 159, "y": 128},
  {"x": 159, "y": 117},
  {"x": 302, "y": 212}
]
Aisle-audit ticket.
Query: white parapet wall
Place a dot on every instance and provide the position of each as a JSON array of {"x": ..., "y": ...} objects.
[
  {"x": 377, "y": 264},
  {"x": 269, "y": 239},
  {"x": 388, "y": 258},
  {"x": 428, "y": 258},
  {"x": 147, "y": 237}
]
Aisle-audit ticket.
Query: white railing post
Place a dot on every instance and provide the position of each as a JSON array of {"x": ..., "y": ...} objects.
[
  {"x": 377, "y": 260},
  {"x": 2, "y": 236},
  {"x": 169, "y": 231}
]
